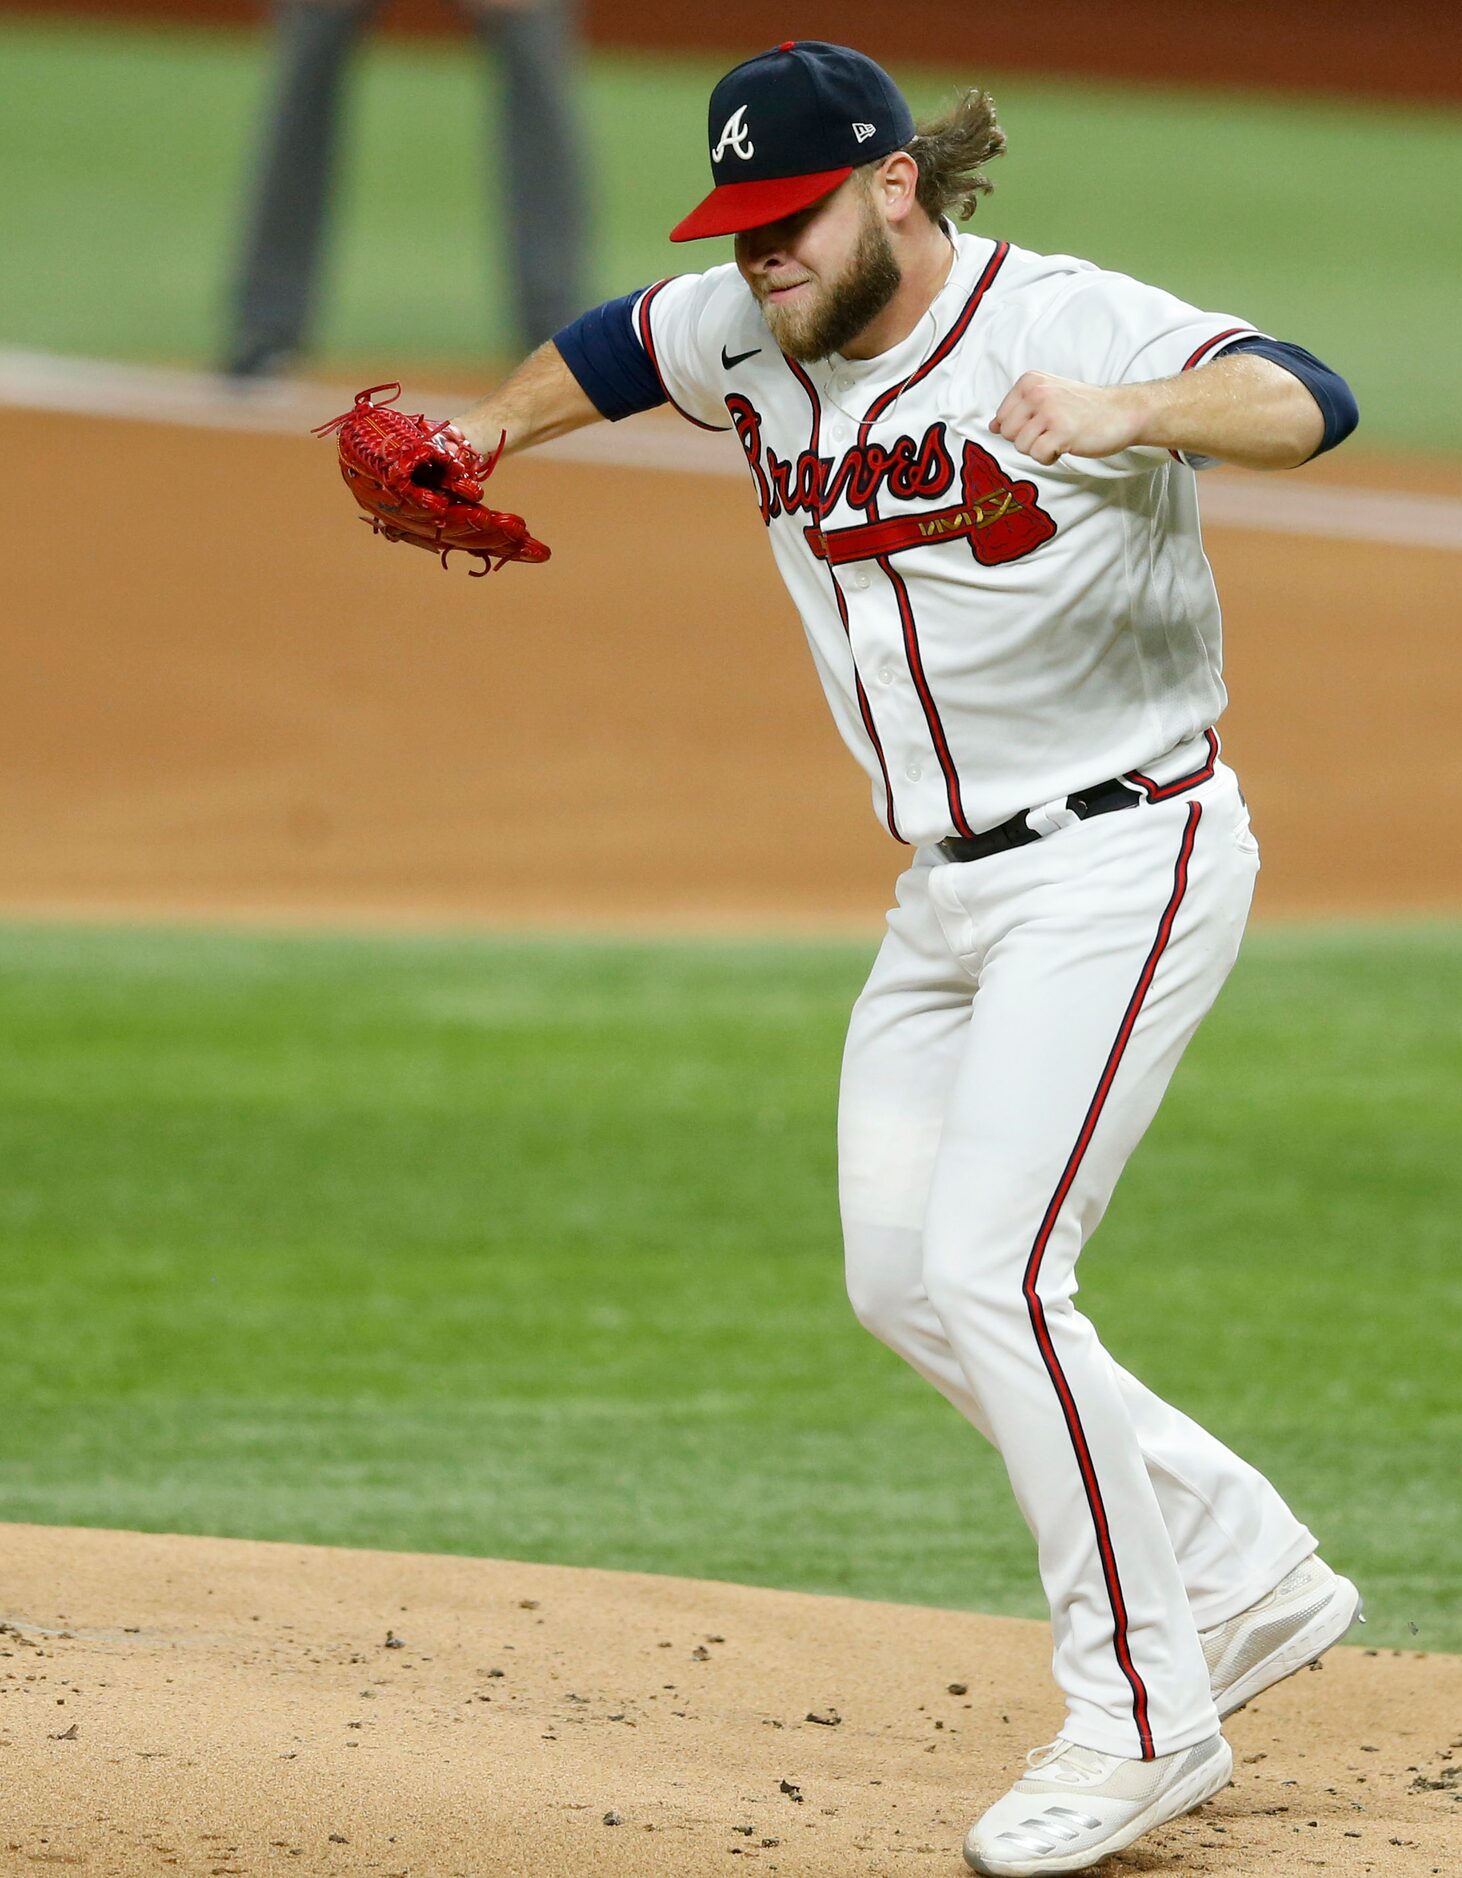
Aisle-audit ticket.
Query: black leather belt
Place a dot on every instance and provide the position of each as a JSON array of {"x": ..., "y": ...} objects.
[{"x": 1101, "y": 799}]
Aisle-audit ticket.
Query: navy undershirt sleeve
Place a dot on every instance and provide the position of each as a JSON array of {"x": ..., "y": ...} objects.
[
  {"x": 603, "y": 351},
  {"x": 1329, "y": 390}
]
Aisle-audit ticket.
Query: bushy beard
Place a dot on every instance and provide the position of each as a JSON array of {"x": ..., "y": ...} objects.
[{"x": 831, "y": 316}]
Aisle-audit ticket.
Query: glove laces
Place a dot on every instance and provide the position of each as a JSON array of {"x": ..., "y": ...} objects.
[{"x": 476, "y": 464}]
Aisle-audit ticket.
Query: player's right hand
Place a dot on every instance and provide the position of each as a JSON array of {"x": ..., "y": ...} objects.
[{"x": 1044, "y": 417}]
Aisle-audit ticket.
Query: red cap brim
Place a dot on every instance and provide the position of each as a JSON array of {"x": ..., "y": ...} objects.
[{"x": 735, "y": 207}]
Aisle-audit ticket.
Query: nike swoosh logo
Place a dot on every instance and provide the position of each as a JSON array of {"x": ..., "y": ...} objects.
[{"x": 728, "y": 359}]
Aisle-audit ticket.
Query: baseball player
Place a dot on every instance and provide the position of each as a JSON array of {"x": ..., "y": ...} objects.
[{"x": 976, "y": 466}]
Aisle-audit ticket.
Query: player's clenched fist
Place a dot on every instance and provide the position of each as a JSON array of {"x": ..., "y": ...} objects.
[{"x": 1044, "y": 417}]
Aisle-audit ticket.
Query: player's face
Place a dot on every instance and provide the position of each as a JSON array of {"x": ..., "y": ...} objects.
[{"x": 820, "y": 277}]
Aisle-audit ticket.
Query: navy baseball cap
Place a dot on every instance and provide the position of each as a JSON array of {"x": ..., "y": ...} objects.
[{"x": 790, "y": 125}]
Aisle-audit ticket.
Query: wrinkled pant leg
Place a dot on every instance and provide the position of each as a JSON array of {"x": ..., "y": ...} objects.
[
  {"x": 1097, "y": 954},
  {"x": 1233, "y": 1535},
  {"x": 274, "y": 289},
  {"x": 1228, "y": 1529}
]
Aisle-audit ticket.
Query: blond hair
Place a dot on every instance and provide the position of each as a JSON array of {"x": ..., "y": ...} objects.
[{"x": 951, "y": 152}]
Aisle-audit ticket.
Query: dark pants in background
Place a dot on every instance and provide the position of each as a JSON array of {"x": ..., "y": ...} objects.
[{"x": 542, "y": 166}]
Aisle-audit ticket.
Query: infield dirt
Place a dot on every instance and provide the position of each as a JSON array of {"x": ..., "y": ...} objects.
[{"x": 207, "y": 1706}]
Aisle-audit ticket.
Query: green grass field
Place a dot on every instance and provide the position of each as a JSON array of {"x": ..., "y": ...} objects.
[
  {"x": 530, "y": 1249},
  {"x": 126, "y": 153}
]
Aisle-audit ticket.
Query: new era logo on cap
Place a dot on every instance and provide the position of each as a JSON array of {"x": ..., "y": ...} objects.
[{"x": 786, "y": 128}]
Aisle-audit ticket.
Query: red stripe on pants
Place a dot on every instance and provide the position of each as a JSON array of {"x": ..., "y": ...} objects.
[{"x": 1036, "y": 1309}]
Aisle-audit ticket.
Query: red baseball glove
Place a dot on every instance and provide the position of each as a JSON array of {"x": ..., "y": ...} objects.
[{"x": 421, "y": 483}]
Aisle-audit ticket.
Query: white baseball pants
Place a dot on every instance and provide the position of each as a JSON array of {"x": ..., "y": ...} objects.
[{"x": 1015, "y": 1037}]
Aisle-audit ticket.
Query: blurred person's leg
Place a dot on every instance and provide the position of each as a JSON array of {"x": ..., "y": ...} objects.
[
  {"x": 274, "y": 289},
  {"x": 544, "y": 168}
]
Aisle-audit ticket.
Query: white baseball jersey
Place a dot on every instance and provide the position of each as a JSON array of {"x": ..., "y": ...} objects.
[{"x": 991, "y": 634}]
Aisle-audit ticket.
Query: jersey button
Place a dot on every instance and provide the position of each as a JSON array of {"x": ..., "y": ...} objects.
[
  {"x": 885, "y": 677},
  {"x": 913, "y": 772},
  {"x": 858, "y": 581}
]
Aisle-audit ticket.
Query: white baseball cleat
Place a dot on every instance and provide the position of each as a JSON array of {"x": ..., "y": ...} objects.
[
  {"x": 1291, "y": 1626},
  {"x": 1076, "y": 1807}
]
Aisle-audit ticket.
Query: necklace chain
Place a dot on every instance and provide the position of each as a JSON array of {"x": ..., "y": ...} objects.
[
  {"x": 929, "y": 347},
  {"x": 928, "y": 314}
]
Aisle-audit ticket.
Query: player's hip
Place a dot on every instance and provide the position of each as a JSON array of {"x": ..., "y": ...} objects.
[
  {"x": 1190, "y": 850},
  {"x": 1180, "y": 772},
  {"x": 976, "y": 782},
  {"x": 1032, "y": 971}
]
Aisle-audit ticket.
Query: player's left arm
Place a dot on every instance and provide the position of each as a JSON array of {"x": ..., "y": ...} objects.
[{"x": 1261, "y": 405}]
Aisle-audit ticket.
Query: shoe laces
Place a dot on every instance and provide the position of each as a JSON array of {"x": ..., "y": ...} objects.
[{"x": 1064, "y": 1760}]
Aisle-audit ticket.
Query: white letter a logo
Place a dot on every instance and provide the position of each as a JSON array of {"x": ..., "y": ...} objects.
[{"x": 735, "y": 136}]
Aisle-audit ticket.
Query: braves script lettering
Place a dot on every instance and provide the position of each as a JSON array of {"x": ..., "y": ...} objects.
[
  {"x": 1000, "y": 519},
  {"x": 909, "y": 471}
]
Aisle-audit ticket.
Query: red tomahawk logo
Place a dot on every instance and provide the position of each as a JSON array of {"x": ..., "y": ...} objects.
[{"x": 1001, "y": 520}]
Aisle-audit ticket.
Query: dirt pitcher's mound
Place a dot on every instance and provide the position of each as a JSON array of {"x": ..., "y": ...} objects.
[{"x": 213, "y": 1706}]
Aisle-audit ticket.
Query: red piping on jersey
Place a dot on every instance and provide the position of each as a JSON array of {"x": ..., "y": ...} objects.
[
  {"x": 647, "y": 340},
  {"x": 864, "y": 709},
  {"x": 921, "y": 685},
  {"x": 951, "y": 339},
  {"x": 912, "y": 654},
  {"x": 1231, "y": 332},
  {"x": 1036, "y": 1309},
  {"x": 866, "y": 712},
  {"x": 1159, "y": 792}
]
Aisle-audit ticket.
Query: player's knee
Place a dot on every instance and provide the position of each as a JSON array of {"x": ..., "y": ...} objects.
[
  {"x": 979, "y": 1236},
  {"x": 973, "y": 1280},
  {"x": 881, "y": 1270},
  {"x": 883, "y": 1309}
]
